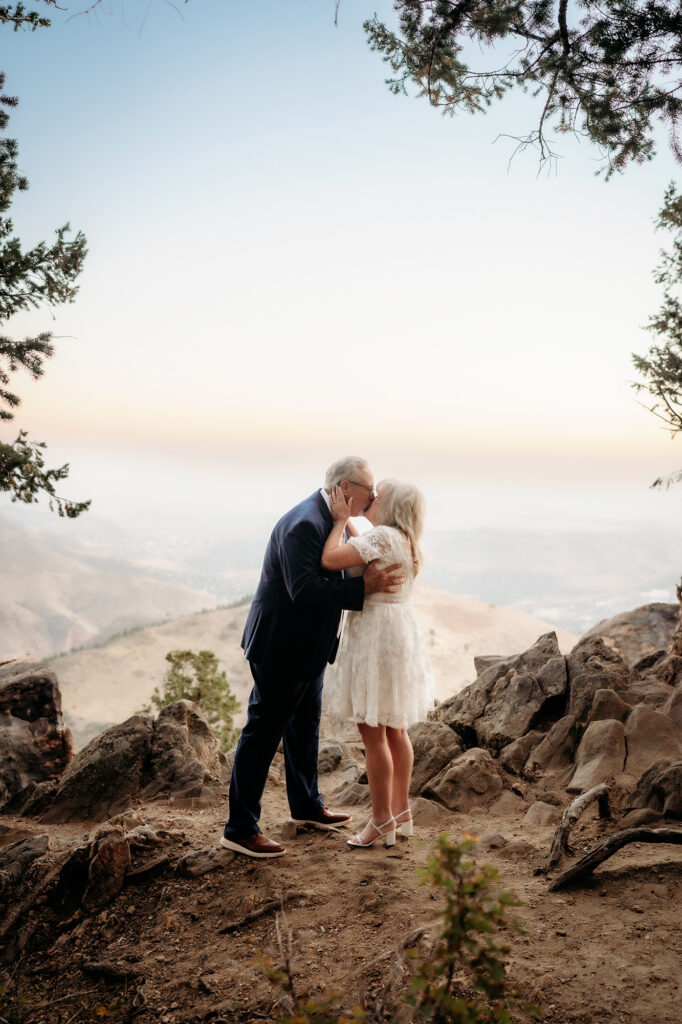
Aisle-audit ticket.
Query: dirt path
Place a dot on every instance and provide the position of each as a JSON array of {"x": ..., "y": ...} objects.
[{"x": 609, "y": 951}]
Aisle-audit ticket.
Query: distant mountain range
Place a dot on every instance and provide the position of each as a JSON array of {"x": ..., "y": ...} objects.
[
  {"x": 56, "y": 595},
  {"x": 57, "y": 592}
]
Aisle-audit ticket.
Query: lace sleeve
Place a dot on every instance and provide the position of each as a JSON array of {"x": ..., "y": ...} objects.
[{"x": 375, "y": 544}]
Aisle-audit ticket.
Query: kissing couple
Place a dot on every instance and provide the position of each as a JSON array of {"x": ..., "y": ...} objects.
[{"x": 318, "y": 570}]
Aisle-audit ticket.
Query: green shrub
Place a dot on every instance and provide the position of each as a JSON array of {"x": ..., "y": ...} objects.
[{"x": 194, "y": 676}]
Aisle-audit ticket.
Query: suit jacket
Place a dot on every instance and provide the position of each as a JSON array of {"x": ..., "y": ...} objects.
[{"x": 294, "y": 618}]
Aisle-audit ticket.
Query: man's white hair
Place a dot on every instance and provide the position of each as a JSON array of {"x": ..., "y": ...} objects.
[{"x": 344, "y": 469}]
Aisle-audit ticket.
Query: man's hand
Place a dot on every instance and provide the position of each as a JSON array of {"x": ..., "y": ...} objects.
[{"x": 383, "y": 581}]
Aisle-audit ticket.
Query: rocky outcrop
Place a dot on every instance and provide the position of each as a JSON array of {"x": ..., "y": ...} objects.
[
  {"x": 514, "y": 756},
  {"x": 434, "y": 745},
  {"x": 607, "y": 704},
  {"x": 472, "y": 780},
  {"x": 510, "y": 697},
  {"x": 175, "y": 757},
  {"x": 650, "y": 736},
  {"x": 660, "y": 788},
  {"x": 555, "y": 752},
  {"x": 35, "y": 747},
  {"x": 639, "y": 633},
  {"x": 592, "y": 666},
  {"x": 600, "y": 755}
]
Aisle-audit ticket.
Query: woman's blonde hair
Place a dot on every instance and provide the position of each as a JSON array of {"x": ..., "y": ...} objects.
[{"x": 403, "y": 506}]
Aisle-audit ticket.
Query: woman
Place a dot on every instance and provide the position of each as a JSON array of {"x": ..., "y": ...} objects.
[{"x": 383, "y": 679}]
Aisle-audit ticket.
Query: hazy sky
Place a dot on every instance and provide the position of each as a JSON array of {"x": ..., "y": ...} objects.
[{"x": 288, "y": 263}]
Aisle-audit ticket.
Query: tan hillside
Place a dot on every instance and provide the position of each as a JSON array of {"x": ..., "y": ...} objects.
[{"x": 104, "y": 685}]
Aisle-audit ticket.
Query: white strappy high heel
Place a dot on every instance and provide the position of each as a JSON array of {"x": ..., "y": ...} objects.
[
  {"x": 405, "y": 828},
  {"x": 381, "y": 833}
]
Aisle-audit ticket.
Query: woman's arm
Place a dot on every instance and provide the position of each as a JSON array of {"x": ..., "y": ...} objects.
[{"x": 336, "y": 554}]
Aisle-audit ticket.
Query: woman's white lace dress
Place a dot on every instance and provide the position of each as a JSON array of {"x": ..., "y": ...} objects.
[{"x": 382, "y": 674}]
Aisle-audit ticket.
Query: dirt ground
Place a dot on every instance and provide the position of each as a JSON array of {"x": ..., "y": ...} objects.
[{"x": 606, "y": 951}]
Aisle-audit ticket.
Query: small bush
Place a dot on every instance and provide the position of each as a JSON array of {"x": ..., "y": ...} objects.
[{"x": 194, "y": 676}]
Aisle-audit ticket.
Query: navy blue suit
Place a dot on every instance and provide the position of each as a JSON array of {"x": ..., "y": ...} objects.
[{"x": 290, "y": 635}]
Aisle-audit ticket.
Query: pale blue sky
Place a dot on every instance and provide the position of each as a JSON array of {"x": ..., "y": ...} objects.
[{"x": 287, "y": 263}]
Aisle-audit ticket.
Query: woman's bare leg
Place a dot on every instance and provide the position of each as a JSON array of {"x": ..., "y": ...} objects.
[
  {"x": 402, "y": 756},
  {"x": 379, "y": 764}
]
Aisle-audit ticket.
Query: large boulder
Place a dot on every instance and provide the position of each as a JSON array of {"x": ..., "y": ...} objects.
[
  {"x": 638, "y": 633},
  {"x": 514, "y": 756},
  {"x": 607, "y": 704},
  {"x": 175, "y": 757},
  {"x": 555, "y": 752},
  {"x": 510, "y": 697},
  {"x": 593, "y": 665},
  {"x": 186, "y": 762},
  {"x": 435, "y": 745},
  {"x": 673, "y": 707},
  {"x": 600, "y": 755},
  {"x": 660, "y": 788},
  {"x": 35, "y": 747},
  {"x": 472, "y": 780},
  {"x": 650, "y": 736}
]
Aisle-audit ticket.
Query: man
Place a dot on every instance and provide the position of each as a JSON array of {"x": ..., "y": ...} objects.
[{"x": 291, "y": 632}]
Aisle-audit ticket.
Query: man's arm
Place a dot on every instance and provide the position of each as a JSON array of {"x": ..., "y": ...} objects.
[{"x": 299, "y": 552}]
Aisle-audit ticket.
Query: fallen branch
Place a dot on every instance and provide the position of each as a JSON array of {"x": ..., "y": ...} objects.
[
  {"x": 263, "y": 910},
  {"x": 591, "y": 860},
  {"x": 112, "y": 972},
  {"x": 570, "y": 817}
]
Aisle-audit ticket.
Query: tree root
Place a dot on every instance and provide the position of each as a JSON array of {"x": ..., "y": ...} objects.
[
  {"x": 587, "y": 864},
  {"x": 570, "y": 817}
]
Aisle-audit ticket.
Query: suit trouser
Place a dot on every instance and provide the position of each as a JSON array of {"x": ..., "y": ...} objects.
[{"x": 279, "y": 708}]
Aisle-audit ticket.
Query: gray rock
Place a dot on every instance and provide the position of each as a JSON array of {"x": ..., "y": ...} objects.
[
  {"x": 660, "y": 788},
  {"x": 593, "y": 665},
  {"x": 640, "y": 632},
  {"x": 491, "y": 841},
  {"x": 329, "y": 757},
  {"x": 428, "y": 812},
  {"x": 186, "y": 762},
  {"x": 200, "y": 862},
  {"x": 608, "y": 704},
  {"x": 509, "y": 697},
  {"x": 642, "y": 816},
  {"x": 16, "y": 858},
  {"x": 508, "y": 805},
  {"x": 435, "y": 745},
  {"x": 600, "y": 755},
  {"x": 105, "y": 775},
  {"x": 175, "y": 757},
  {"x": 35, "y": 747},
  {"x": 651, "y": 736},
  {"x": 555, "y": 752},
  {"x": 673, "y": 707},
  {"x": 651, "y": 692},
  {"x": 473, "y": 779},
  {"x": 32, "y": 799},
  {"x": 541, "y": 813},
  {"x": 513, "y": 757},
  {"x": 353, "y": 795}
]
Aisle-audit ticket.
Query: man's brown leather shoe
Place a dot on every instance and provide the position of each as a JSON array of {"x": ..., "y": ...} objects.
[
  {"x": 324, "y": 819},
  {"x": 256, "y": 845}
]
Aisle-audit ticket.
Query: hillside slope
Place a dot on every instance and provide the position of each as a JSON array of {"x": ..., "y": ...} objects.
[{"x": 106, "y": 684}]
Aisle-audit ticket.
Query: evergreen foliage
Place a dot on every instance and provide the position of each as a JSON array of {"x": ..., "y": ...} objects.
[
  {"x": 195, "y": 676},
  {"x": 607, "y": 71},
  {"x": 43, "y": 275},
  {"x": 661, "y": 367}
]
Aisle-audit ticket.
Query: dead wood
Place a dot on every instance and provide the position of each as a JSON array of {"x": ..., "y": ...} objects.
[
  {"x": 266, "y": 908},
  {"x": 112, "y": 972},
  {"x": 570, "y": 817},
  {"x": 615, "y": 842}
]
